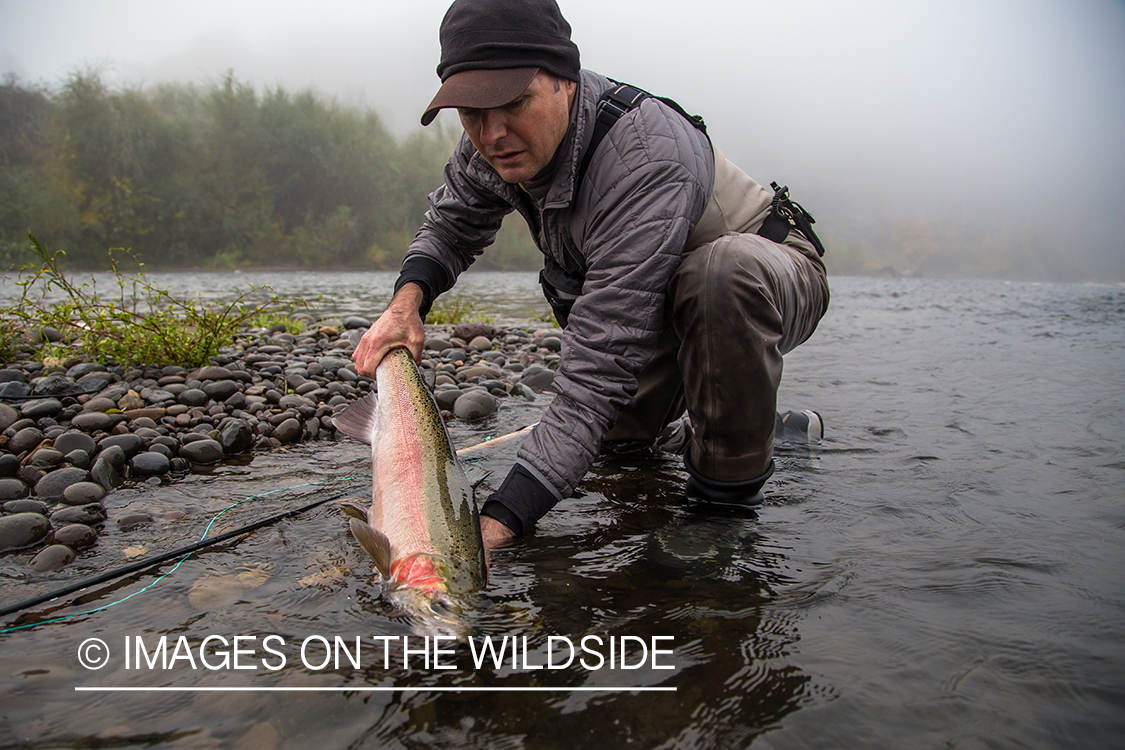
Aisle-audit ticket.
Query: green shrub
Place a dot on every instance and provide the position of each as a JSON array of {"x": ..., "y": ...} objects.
[
  {"x": 140, "y": 323},
  {"x": 457, "y": 309}
]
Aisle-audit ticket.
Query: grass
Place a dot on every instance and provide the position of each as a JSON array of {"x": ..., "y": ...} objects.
[
  {"x": 543, "y": 317},
  {"x": 270, "y": 318},
  {"x": 139, "y": 322},
  {"x": 457, "y": 309}
]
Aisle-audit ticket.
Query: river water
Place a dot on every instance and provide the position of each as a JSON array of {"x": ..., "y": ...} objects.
[{"x": 946, "y": 569}]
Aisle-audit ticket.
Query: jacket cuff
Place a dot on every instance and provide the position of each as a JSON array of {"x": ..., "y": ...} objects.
[
  {"x": 520, "y": 502},
  {"x": 426, "y": 273}
]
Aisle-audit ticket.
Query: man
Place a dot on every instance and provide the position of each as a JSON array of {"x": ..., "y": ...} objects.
[{"x": 675, "y": 299}]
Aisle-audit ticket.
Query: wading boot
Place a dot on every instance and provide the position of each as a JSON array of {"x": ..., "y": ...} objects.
[
  {"x": 743, "y": 494},
  {"x": 799, "y": 428},
  {"x": 675, "y": 437}
]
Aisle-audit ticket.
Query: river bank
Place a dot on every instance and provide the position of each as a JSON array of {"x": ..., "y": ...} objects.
[{"x": 74, "y": 432}]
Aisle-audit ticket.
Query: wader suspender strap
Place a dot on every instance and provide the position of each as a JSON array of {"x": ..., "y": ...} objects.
[
  {"x": 559, "y": 287},
  {"x": 616, "y": 102},
  {"x": 785, "y": 215}
]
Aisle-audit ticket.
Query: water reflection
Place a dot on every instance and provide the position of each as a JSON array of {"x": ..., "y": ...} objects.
[
  {"x": 625, "y": 558},
  {"x": 628, "y": 558}
]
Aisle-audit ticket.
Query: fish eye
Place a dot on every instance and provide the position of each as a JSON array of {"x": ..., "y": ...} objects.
[{"x": 444, "y": 607}]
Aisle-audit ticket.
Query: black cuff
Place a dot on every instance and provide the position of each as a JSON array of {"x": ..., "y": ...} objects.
[
  {"x": 426, "y": 273},
  {"x": 496, "y": 509},
  {"x": 520, "y": 501}
]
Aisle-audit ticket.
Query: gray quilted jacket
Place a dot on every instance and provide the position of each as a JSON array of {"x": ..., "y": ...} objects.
[{"x": 626, "y": 227}]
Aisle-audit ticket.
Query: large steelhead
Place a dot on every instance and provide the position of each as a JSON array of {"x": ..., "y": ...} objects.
[{"x": 422, "y": 529}]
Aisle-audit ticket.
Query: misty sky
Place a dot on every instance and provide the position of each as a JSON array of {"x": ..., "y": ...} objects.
[{"x": 990, "y": 113}]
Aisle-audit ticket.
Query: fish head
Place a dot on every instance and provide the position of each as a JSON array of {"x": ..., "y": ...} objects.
[
  {"x": 424, "y": 588},
  {"x": 430, "y": 612}
]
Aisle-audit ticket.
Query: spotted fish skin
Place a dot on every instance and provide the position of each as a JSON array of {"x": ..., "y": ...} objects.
[{"x": 422, "y": 529}]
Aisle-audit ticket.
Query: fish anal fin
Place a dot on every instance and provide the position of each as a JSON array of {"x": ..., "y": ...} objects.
[
  {"x": 358, "y": 420},
  {"x": 375, "y": 544}
]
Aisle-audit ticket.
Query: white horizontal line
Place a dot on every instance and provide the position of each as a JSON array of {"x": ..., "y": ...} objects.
[{"x": 419, "y": 689}]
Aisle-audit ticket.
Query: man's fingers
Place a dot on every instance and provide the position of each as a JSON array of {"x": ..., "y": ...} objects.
[{"x": 367, "y": 355}]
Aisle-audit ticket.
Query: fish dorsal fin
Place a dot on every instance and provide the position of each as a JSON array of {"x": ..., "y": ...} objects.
[
  {"x": 354, "y": 510},
  {"x": 358, "y": 420},
  {"x": 375, "y": 544}
]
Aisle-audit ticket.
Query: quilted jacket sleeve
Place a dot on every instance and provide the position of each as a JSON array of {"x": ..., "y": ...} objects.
[{"x": 461, "y": 222}]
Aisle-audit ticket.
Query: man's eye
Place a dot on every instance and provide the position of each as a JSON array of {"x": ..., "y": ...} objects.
[{"x": 468, "y": 113}]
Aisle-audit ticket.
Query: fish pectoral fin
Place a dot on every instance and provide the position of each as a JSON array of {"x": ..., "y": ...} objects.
[
  {"x": 352, "y": 510},
  {"x": 375, "y": 544},
  {"x": 358, "y": 420}
]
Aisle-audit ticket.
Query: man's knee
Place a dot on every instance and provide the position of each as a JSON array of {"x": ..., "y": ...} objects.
[{"x": 729, "y": 280}]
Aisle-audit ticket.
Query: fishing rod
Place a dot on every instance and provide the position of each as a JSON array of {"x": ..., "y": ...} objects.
[
  {"x": 150, "y": 561},
  {"x": 203, "y": 543},
  {"x": 492, "y": 442}
]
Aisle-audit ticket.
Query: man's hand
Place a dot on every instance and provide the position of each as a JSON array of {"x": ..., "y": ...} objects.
[
  {"x": 494, "y": 534},
  {"x": 399, "y": 325}
]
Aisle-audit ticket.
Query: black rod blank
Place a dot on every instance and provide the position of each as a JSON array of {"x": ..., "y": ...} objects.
[{"x": 150, "y": 561}]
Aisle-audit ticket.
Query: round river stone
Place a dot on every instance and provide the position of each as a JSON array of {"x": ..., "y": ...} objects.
[
  {"x": 52, "y": 486},
  {"x": 22, "y": 530},
  {"x": 92, "y": 421},
  {"x": 288, "y": 430},
  {"x": 204, "y": 451},
  {"x": 150, "y": 463},
  {"x": 130, "y": 443},
  {"x": 75, "y": 441},
  {"x": 90, "y": 514},
  {"x": 83, "y": 493},
  {"x": 25, "y": 440},
  {"x": 12, "y": 489},
  {"x": 474, "y": 405},
  {"x": 74, "y": 535},
  {"x": 45, "y": 407},
  {"x": 54, "y": 557},
  {"x": 133, "y": 520},
  {"x": 193, "y": 397},
  {"x": 26, "y": 506}
]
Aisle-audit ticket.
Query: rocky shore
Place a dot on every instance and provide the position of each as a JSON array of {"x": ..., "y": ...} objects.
[{"x": 73, "y": 432}]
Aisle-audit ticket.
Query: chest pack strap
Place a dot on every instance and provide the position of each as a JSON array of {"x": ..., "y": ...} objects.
[{"x": 616, "y": 102}]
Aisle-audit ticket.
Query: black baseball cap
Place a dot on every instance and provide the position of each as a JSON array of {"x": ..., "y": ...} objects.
[{"x": 491, "y": 49}]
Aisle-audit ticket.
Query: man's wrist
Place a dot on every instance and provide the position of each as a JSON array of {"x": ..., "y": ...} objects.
[
  {"x": 427, "y": 274},
  {"x": 497, "y": 511},
  {"x": 409, "y": 297},
  {"x": 521, "y": 500}
]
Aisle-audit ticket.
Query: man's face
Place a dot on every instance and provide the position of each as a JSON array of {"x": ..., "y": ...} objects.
[{"x": 521, "y": 137}]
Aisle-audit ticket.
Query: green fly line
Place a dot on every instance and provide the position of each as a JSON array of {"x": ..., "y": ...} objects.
[{"x": 206, "y": 531}]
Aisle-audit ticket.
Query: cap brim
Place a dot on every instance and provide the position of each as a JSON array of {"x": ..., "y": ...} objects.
[{"x": 479, "y": 89}]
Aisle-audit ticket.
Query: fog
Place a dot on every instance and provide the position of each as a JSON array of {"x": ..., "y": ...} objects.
[{"x": 988, "y": 124}]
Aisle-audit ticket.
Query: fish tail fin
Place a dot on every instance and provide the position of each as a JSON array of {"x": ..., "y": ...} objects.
[
  {"x": 358, "y": 420},
  {"x": 375, "y": 544}
]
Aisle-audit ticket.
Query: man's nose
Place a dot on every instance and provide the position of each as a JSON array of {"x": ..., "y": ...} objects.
[{"x": 493, "y": 126}]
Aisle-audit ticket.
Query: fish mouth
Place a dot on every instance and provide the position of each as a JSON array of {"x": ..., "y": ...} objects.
[{"x": 431, "y": 611}]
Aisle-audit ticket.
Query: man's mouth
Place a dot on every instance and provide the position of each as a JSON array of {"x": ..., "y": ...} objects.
[{"x": 507, "y": 157}]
